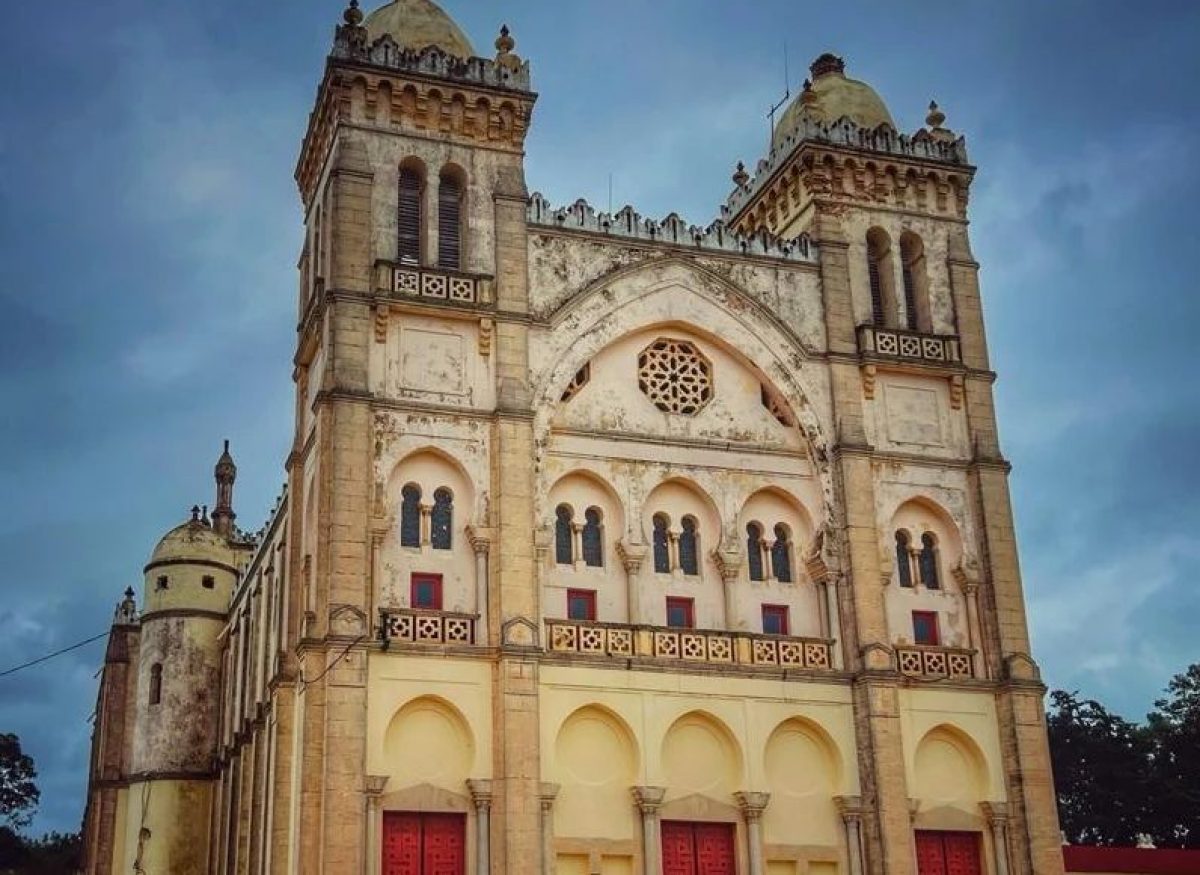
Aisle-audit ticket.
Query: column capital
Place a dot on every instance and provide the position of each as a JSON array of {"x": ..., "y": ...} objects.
[
  {"x": 649, "y": 799},
  {"x": 375, "y": 786},
  {"x": 851, "y": 808},
  {"x": 729, "y": 563},
  {"x": 480, "y": 539},
  {"x": 547, "y": 793},
  {"x": 752, "y": 804},
  {"x": 481, "y": 793},
  {"x": 632, "y": 555},
  {"x": 995, "y": 813}
]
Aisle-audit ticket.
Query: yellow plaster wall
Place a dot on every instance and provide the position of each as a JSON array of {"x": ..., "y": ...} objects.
[
  {"x": 175, "y": 815},
  {"x": 703, "y": 738}
]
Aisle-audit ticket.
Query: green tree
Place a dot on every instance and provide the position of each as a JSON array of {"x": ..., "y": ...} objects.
[
  {"x": 18, "y": 794},
  {"x": 1175, "y": 735},
  {"x": 1100, "y": 764}
]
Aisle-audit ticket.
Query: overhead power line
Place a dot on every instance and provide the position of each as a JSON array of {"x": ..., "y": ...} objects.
[{"x": 50, "y": 656}]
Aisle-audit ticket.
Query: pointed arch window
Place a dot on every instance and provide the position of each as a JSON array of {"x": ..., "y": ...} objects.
[
  {"x": 450, "y": 192},
  {"x": 781, "y": 554},
  {"x": 408, "y": 217},
  {"x": 410, "y": 516},
  {"x": 754, "y": 551},
  {"x": 904, "y": 559},
  {"x": 662, "y": 550},
  {"x": 689, "y": 547},
  {"x": 442, "y": 519},
  {"x": 880, "y": 277},
  {"x": 928, "y": 562},
  {"x": 156, "y": 671},
  {"x": 563, "y": 552},
  {"x": 593, "y": 538}
]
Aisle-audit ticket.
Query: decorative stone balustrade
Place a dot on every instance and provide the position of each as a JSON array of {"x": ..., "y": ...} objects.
[
  {"x": 936, "y": 662},
  {"x": 349, "y": 45},
  {"x": 409, "y": 626},
  {"x": 714, "y": 647},
  {"x": 901, "y": 343},
  {"x": 885, "y": 140},
  {"x": 628, "y": 224},
  {"x": 431, "y": 284}
]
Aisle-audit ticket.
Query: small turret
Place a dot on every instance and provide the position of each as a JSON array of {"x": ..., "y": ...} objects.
[{"x": 223, "y": 515}]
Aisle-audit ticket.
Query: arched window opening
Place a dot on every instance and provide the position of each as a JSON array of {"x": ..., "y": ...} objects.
[
  {"x": 916, "y": 283},
  {"x": 879, "y": 274},
  {"x": 781, "y": 554},
  {"x": 593, "y": 538},
  {"x": 156, "y": 683},
  {"x": 442, "y": 519},
  {"x": 928, "y": 562},
  {"x": 450, "y": 221},
  {"x": 689, "y": 547},
  {"x": 903, "y": 559},
  {"x": 662, "y": 552},
  {"x": 754, "y": 551},
  {"x": 408, "y": 217},
  {"x": 563, "y": 552},
  {"x": 410, "y": 516}
]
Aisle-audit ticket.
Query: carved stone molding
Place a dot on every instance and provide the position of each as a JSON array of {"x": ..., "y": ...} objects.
[
  {"x": 752, "y": 804},
  {"x": 631, "y": 555},
  {"x": 649, "y": 799}
]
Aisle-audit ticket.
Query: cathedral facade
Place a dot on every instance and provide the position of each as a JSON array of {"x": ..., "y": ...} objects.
[{"x": 608, "y": 545}]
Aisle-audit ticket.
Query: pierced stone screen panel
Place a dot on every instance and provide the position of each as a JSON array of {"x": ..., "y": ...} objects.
[{"x": 675, "y": 376}]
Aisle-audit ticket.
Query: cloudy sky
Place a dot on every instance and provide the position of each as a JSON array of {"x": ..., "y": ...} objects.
[{"x": 149, "y": 229}]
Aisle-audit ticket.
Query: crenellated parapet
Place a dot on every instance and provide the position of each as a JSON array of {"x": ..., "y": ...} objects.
[
  {"x": 928, "y": 171},
  {"x": 628, "y": 224},
  {"x": 385, "y": 52}
]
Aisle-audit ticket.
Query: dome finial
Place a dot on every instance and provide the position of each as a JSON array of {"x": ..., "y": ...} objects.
[
  {"x": 353, "y": 16},
  {"x": 225, "y": 474},
  {"x": 826, "y": 64},
  {"x": 936, "y": 117},
  {"x": 504, "y": 49},
  {"x": 740, "y": 176}
]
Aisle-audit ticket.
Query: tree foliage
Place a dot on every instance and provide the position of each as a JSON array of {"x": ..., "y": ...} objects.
[
  {"x": 1118, "y": 780},
  {"x": 18, "y": 793}
]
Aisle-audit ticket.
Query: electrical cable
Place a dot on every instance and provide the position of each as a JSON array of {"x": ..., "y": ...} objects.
[
  {"x": 50, "y": 656},
  {"x": 305, "y": 684}
]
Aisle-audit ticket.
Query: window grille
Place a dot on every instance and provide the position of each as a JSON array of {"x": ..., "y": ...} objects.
[
  {"x": 408, "y": 218},
  {"x": 441, "y": 520}
]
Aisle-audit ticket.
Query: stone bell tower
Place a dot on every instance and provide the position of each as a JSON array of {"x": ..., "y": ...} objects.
[
  {"x": 412, "y": 337},
  {"x": 901, "y": 298}
]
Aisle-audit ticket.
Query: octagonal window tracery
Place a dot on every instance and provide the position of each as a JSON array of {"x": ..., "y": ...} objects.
[{"x": 675, "y": 376}]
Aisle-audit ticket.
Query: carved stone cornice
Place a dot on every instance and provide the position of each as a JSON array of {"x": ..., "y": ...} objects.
[
  {"x": 631, "y": 555},
  {"x": 729, "y": 563}
]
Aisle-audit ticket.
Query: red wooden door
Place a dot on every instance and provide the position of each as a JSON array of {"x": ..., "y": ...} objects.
[
  {"x": 698, "y": 848},
  {"x": 424, "y": 844},
  {"x": 948, "y": 853}
]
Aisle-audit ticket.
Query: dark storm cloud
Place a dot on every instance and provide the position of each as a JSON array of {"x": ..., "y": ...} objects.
[{"x": 149, "y": 225}]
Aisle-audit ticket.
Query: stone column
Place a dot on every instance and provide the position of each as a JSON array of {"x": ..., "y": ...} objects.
[
  {"x": 970, "y": 590},
  {"x": 851, "y": 809},
  {"x": 481, "y": 543},
  {"x": 632, "y": 557},
  {"x": 481, "y": 795},
  {"x": 996, "y": 815},
  {"x": 549, "y": 792},
  {"x": 833, "y": 606},
  {"x": 649, "y": 800},
  {"x": 373, "y": 792},
  {"x": 753, "y": 805},
  {"x": 729, "y": 563}
]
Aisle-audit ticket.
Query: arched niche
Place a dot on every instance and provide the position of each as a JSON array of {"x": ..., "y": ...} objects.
[
  {"x": 774, "y": 532},
  {"x": 596, "y": 761},
  {"x": 590, "y": 511},
  {"x": 950, "y": 772},
  {"x": 428, "y": 742},
  {"x": 804, "y": 773},
  {"x": 701, "y": 757},
  {"x": 924, "y": 546},
  {"x": 681, "y": 523}
]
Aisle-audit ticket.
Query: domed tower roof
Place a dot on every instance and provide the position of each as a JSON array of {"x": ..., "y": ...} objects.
[
  {"x": 831, "y": 95},
  {"x": 194, "y": 541},
  {"x": 417, "y": 24}
]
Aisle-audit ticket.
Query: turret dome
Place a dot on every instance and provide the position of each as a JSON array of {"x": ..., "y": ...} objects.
[
  {"x": 418, "y": 24},
  {"x": 194, "y": 541},
  {"x": 829, "y": 96}
]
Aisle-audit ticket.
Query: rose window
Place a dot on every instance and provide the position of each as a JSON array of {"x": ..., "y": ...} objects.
[{"x": 675, "y": 376}]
